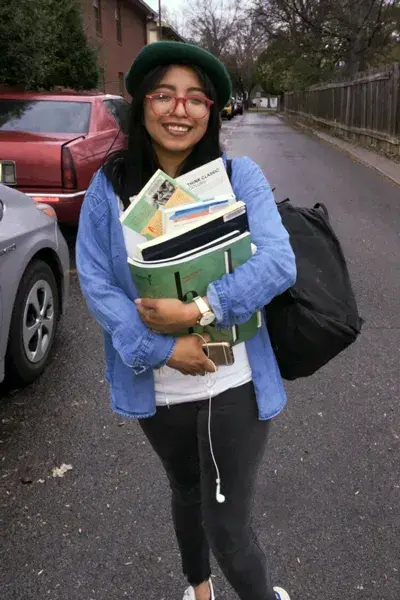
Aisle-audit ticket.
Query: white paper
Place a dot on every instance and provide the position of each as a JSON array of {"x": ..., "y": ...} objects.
[{"x": 132, "y": 239}]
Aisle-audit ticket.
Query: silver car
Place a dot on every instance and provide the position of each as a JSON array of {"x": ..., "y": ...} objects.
[{"x": 34, "y": 281}]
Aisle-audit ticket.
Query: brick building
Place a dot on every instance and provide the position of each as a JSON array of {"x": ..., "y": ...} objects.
[{"x": 119, "y": 29}]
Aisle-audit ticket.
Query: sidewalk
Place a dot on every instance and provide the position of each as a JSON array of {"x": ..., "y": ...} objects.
[{"x": 384, "y": 165}]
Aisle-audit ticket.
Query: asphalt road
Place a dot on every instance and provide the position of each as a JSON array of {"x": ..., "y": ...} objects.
[{"x": 327, "y": 508}]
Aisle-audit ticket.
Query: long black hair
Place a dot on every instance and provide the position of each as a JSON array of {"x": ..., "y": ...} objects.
[{"x": 130, "y": 169}]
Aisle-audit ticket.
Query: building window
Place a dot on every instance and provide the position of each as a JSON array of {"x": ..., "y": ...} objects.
[
  {"x": 121, "y": 83},
  {"x": 97, "y": 15},
  {"x": 118, "y": 20}
]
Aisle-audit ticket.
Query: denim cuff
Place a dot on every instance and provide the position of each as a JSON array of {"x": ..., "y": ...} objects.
[
  {"x": 155, "y": 352},
  {"x": 219, "y": 304}
]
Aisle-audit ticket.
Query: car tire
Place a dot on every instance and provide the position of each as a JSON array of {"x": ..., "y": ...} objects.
[{"x": 34, "y": 322}]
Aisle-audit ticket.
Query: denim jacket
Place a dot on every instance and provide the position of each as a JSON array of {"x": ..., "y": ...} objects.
[{"x": 132, "y": 350}]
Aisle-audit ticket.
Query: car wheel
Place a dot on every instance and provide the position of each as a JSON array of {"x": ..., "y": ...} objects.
[{"x": 33, "y": 324}]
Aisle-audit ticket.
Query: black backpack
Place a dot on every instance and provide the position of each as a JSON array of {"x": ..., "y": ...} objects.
[{"x": 317, "y": 318}]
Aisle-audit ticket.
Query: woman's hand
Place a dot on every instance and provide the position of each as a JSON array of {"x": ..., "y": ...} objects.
[
  {"x": 189, "y": 357},
  {"x": 167, "y": 315}
]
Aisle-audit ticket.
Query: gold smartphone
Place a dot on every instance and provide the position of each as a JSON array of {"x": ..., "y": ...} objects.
[{"x": 221, "y": 353}]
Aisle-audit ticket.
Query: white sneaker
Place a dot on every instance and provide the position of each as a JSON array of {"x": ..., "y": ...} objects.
[
  {"x": 190, "y": 595},
  {"x": 281, "y": 594}
]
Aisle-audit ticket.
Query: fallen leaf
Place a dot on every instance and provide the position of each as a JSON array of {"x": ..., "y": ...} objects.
[{"x": 60, "y": 471}]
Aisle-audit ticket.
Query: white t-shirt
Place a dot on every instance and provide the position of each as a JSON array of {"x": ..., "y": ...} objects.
[{"x": 172, "y": 387}]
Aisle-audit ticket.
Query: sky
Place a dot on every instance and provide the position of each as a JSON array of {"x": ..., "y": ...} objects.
[{"x": 172, "y": 4}]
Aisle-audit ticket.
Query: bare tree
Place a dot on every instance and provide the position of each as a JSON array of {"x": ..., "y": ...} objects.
[
  {"x": 177, "y": 19},
  {"x": 245, "y": 48},
  {"x": 228, "y": 29},
  {"x": 351, "y": 30},
  {"x": 213, "y": 24}
]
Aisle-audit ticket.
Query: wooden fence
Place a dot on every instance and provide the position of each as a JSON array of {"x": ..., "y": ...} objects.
[{"x": 366, "y": 108}]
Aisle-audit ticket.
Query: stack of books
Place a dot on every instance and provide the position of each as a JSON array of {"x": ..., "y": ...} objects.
[{"x": 182, "y": 234}]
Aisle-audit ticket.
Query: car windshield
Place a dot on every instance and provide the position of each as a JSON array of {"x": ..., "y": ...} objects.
[{"x": 44, "y": 116}]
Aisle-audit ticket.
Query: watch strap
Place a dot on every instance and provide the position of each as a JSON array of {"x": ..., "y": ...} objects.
[{"x": 202, "y": 305}]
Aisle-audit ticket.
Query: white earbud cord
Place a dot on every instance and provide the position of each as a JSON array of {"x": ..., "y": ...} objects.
[{"x": 210, "y": 384}]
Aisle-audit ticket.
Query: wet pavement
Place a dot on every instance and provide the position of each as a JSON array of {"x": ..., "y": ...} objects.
[{"x": 327, "y": 507}]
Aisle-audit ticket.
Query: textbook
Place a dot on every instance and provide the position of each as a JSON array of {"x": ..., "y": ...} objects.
[
  {"x": 193, "y": 236},
  {"x": 207, "y": 181},
  {"x": 188, "y": 276},
  {"x": 182, "y": 234},
  {"x": 144, "y": 215},
  {"x": 188, "y": 214}
]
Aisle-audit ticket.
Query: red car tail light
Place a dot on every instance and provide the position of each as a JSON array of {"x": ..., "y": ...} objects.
[{"x": 68, "y": 170}]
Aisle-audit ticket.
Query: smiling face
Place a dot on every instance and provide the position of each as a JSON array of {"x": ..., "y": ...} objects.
[{"x": 176, "y": 133}]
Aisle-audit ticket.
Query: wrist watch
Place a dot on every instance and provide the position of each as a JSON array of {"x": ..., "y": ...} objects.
[{"x": 207, "y": 316}]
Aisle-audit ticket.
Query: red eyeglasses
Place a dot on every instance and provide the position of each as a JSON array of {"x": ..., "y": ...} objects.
[{"x": 164, "y": 105}]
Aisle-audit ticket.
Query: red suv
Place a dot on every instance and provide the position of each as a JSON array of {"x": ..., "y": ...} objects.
[{"x": 51, "y": 144}]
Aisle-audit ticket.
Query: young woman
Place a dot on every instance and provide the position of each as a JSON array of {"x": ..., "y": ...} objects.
[{"x": 178, "y": 91}]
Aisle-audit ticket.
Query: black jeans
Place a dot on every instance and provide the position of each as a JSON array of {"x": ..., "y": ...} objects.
[{"x": 179, "y": 435}]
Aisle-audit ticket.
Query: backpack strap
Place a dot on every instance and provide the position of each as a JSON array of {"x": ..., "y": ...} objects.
[
  {"x": 229, "y": 171},
  {"x": 229, "y": 168}
]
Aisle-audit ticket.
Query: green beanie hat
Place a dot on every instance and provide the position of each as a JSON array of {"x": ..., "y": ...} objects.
[{"x": 179, "y": 53}]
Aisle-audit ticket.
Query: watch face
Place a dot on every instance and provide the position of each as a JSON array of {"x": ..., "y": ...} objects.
[{"x": 207, "y": 319}]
